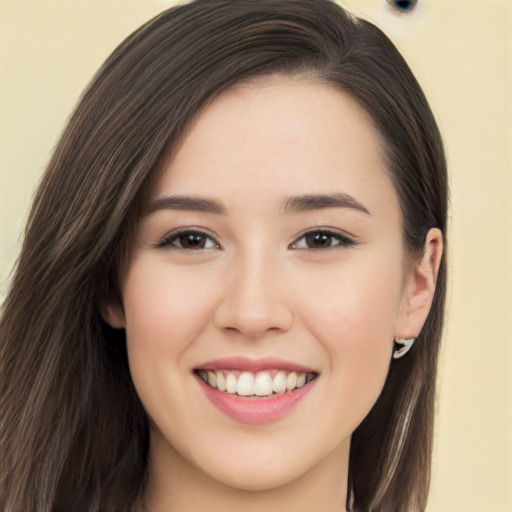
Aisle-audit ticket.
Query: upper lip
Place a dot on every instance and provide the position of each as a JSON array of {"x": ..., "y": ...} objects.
[{"x": 240, "y": 363}]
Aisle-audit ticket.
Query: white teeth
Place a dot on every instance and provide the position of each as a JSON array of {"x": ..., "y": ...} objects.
[
  {"x": 291, "y": 381},
  {"x": 231, "y": 383},
  {"x": 221, "y": 381},
  {"x": 279, "y": 382},
  {"x": 245, "y": 386},
  {"x": 261, "y": 384}
]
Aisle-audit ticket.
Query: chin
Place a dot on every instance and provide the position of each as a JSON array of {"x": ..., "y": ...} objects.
[{"x": 249, "y": 477}]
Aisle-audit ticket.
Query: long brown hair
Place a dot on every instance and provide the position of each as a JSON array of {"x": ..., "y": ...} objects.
[{"x": 74, "y": 435}]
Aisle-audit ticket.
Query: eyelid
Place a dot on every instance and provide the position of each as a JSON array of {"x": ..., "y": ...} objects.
[
  {"x": 344, "y": 239},
  {"x": 168, "y": 239}
]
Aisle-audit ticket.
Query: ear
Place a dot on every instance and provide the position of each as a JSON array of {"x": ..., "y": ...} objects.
[
  {"x": 113, "y": 315},
  {"x": 419, "y": 287}
]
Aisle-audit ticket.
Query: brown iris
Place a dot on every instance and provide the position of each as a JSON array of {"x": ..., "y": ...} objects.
[
  {"x": 192, "y": 241},
  {"x": 318, "y": 240}
]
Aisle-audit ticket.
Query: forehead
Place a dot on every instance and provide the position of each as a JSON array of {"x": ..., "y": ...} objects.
[{"x": 276, "y": 137}]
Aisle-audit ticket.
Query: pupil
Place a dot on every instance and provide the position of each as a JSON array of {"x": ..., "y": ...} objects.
[
  {"x": 318, "y": 240},
  {"x": 193, "y": 240}
]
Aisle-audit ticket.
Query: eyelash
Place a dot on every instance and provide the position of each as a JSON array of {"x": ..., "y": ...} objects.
[
  {"x": 171, "y": 239},
  {"x": 322, "y": 235},
  {"x": 342, "y": 240}
]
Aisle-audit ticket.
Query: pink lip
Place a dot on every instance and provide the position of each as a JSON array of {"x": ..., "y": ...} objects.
[
  {"x": 255, "y": 411},
  {"x": 254, "y": 365}
]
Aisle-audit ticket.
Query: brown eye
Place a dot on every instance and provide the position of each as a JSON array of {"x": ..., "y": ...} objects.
[
  {"x": 318, "y": 240},
  {"x": 192, "y": 241},
  {"x": 189, "y": 240},
  {"x": 322, "y": 239}
]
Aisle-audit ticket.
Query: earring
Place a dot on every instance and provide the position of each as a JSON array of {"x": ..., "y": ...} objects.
[{"x": 407, "y": 344}]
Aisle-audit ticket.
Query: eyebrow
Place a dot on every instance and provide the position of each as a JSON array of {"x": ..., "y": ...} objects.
[
  {"x": 308, "y": 202},
  {"x": 293, "y": 204},
  {"x": 187, "y": 203}
]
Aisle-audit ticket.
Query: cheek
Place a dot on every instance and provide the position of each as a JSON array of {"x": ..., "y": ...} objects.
[
  {"x": 165, "y": 309},
  {"x": 354, "y": 321},
  {"x": 163, "y": 306},
  {"x": 356, "y": 305}
]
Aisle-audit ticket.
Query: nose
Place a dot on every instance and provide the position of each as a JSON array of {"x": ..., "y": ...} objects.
[{"x": 254, "y": 300}]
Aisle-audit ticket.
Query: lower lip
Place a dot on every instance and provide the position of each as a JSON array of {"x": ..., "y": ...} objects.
[{"x": 256, "y": 411}]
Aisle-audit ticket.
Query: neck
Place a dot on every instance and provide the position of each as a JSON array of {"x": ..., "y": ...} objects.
[{"x": 177, "y": 485}]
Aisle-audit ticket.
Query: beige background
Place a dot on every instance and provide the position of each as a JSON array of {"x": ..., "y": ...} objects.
[{"x": 461, "y": 52}]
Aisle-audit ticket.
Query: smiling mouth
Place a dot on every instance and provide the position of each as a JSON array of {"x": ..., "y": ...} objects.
[{"x": 258, "y": 384}]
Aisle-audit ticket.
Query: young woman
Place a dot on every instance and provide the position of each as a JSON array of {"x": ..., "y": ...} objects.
[{"x": 230, "y": 293}]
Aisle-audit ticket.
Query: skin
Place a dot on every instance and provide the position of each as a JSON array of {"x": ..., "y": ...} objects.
[{"x": 258, "y": 289}]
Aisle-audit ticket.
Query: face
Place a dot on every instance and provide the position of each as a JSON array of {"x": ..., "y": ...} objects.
[{"x": 265, "y": 286}]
